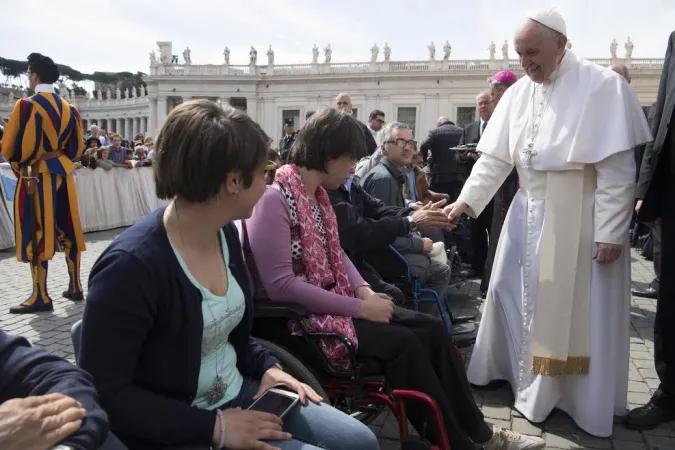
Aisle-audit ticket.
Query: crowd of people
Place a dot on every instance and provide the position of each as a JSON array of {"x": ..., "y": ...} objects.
[
  {"x": 167, "y": 359},
  {"x": 108, "y": 150}
]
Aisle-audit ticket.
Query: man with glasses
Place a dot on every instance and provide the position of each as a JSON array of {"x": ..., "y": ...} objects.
[{"x": 386, "y": 182}]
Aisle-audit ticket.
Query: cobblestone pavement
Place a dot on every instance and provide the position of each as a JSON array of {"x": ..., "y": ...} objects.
[{"x": 51, "y": 331}]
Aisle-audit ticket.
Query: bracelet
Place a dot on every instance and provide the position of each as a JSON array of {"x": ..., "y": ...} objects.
[{"x": 221, "y": 418}]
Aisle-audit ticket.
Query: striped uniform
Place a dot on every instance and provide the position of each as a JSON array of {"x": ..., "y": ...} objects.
[{"x": 45, "y": 133}]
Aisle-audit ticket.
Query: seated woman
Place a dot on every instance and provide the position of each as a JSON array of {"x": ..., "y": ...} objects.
[
  {"x": 293, "y": 237},
  {"x": 166, "y": 328}
]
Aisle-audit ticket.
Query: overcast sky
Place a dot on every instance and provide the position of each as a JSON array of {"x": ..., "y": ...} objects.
[{"x": 118, "y": 35}]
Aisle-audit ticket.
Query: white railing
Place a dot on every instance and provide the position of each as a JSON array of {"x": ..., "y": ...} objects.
[
  {"x": 84, "y": 102},
  {"x": 472, "y": 65}
]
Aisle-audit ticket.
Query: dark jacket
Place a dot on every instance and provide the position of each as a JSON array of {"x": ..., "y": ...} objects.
[
  {"x": 285, "y": 145},
  {"x": 365, "y": 223},
  {"x": 640, "y": 149},
  {"x": 26, "y": 371},
  {"x": 659, "y": 157},
  {"x": 386, "y": 184},
  {"x": 470, "y": 135},
  {"x": 371, "y": 145},
  {"x": 444, "y": 167},
  {"x": 142, "y": 338}
]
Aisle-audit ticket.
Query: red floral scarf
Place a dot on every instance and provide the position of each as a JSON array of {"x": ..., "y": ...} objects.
[{"x": 322, "y": 266}]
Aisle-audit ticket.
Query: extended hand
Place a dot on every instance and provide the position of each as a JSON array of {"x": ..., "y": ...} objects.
[
  {"x": 455, "y": 211},
  {"x": 430, "y": 217},
  {"x": 606, "y": 253},
  {"x": 38, "y": 423},
  {"x": 277, "y": 377}
]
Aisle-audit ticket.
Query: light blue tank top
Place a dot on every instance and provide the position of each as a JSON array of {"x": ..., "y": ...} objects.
[{"x": 219, "y": 379}]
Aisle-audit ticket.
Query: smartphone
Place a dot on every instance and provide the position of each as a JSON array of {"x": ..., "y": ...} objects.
[{"x": 276, "y": 401}]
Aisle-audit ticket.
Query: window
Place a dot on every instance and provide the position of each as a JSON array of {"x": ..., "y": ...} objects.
[
  {"x": 408, "y": 115},
  {"x": 292, "y": 114},
  {"x": 238, "y": 103},
  {"x": 465, "y": 115}
]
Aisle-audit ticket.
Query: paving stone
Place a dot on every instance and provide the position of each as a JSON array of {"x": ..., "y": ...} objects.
[
  {"x": 629, "y": 445},
  {"x": 637, "y": 386},
  {"x": 665, "y": 430},
  {"x": 660, "y": 443},
  {"x": 640, "y": 398},
  {"x": 505, "y": 424},
  {"x": 497, "y": 412},
  {"x": 574, "y": 441},
  {"x": 523, "y": 426},
  {"x": 620, "y": 432}
]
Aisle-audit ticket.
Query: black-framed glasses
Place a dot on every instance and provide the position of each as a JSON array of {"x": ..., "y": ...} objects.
[{"x": 402, "y": 143}]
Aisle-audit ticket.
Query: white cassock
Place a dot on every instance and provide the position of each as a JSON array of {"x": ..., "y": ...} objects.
[{"x": 576, "y": 189}]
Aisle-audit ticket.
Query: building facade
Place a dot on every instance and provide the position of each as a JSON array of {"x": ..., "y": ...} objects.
[{"x": 414, "y": 92}]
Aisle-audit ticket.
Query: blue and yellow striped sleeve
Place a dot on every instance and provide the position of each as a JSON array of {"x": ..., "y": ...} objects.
[
  {"x": 75, "y": 147},
  {"x": 22, "y": 138}
]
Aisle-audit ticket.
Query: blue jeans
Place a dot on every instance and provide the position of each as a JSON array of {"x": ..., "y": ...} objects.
[{"x": 315, "y": 426}]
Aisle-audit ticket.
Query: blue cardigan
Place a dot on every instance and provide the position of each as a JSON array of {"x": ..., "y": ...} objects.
[
  {"x": 142, "y": 337},
  {"x": 27, "y": 371}
]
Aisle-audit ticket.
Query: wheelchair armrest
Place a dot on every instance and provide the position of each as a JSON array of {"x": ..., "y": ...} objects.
[{"x": 268, "y": 309}]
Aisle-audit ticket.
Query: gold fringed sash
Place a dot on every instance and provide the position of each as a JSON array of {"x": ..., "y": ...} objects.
[{"x": 561, "y": 328}]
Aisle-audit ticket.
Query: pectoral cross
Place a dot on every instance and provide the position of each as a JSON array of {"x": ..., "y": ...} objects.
[{"x": 528, "y": 154}]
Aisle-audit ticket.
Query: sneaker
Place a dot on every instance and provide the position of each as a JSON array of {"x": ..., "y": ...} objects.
[{"x": 509, "y": 440}]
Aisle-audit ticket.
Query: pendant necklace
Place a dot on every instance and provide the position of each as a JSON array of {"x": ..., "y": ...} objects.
[
  {"x": 218, "y": 386},
  {"x": 530, "y": 151}
]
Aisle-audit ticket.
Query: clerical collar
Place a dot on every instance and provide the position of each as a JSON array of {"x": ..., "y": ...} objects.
[{"x": 46, "y": 88}]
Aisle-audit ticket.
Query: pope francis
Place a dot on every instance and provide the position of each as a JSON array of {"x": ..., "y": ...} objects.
[{"x": 556, "y": 318}]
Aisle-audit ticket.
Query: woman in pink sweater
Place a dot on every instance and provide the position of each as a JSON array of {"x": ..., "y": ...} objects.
[{"x": 296, "y": 257}]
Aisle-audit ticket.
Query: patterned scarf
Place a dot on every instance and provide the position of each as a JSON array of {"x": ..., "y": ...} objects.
[{"x": 321, "y": 265}]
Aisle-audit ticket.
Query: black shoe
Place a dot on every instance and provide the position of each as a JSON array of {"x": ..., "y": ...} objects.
[
  {"x": 648, "y": 417},
  {"x": 74, "y": 296},
  {"x": 30, "y": 309},
  {"x": 649, "y": 292}
]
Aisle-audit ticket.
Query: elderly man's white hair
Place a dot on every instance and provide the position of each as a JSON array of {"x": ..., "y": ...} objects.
[{"x": 342, "y": 94}]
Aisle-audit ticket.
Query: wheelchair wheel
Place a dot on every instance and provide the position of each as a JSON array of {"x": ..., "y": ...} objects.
[{"x": 294, "y": 367}]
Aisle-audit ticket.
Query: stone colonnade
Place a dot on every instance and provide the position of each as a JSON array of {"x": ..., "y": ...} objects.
[{"x": 127, "y": 127}]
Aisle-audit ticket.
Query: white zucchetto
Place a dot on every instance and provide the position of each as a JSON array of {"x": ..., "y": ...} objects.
[{"x": 550, "y": 18}]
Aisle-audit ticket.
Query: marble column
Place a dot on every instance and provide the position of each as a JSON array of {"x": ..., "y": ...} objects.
[
  {"x": 152, "y": 119},
  {"x": 144, "y": 126},
  {"x": 129, "y": 127},
  {"x": 161, "y": 112},
  {"x": 252, "y": 107},
  {"x": 120, "y": 128},
  {"x": 136, "y": 122}
]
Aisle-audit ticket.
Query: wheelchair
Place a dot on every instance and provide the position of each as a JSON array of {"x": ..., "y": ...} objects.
[
  {"x": 360, "y": 391},
  {"x": 461, "y": 328}
]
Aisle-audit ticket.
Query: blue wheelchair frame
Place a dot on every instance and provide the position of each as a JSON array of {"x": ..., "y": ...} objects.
[{"x": 423, "y": 295}]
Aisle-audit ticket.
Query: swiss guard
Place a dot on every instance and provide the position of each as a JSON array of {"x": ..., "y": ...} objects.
[{"x": 42, "y": 139}]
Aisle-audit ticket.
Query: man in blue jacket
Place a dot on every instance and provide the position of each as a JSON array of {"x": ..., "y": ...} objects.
[{"x": 46, "y": 402}]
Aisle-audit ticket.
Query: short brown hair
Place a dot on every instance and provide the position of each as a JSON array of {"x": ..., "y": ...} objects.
[
  {"x": 199, "y": 144},
  {"x": 328, "y": 135}
]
